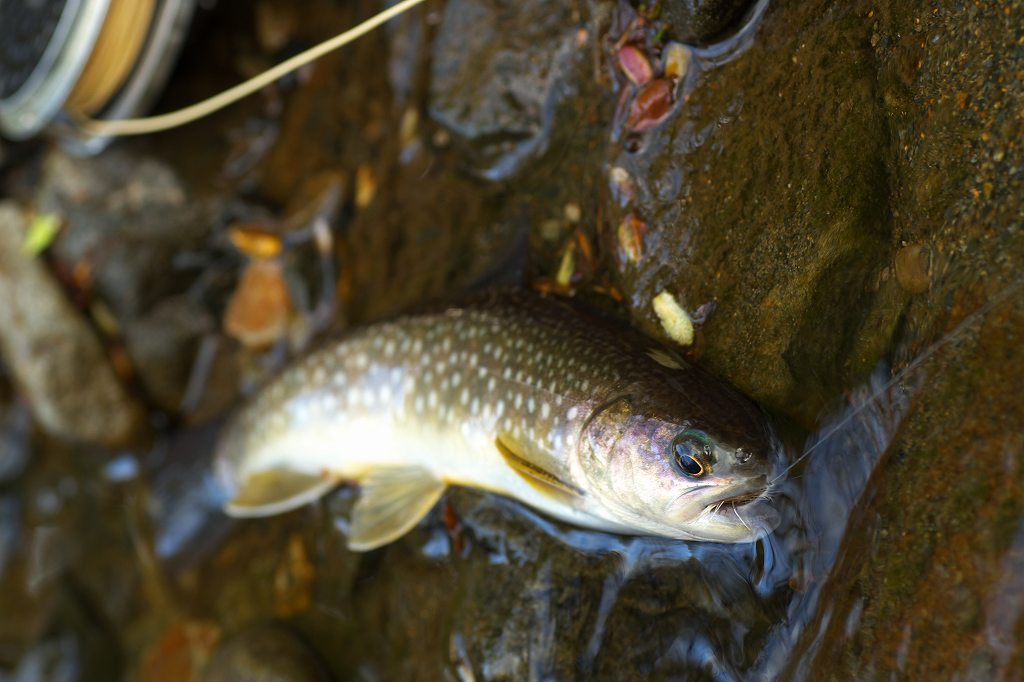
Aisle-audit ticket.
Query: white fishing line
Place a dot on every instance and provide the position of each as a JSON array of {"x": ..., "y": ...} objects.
[{"x": 174, "y": 119}]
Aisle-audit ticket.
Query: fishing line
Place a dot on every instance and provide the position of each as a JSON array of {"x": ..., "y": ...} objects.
[
  {"x": 174, "y": 119},
  {"x": 964, "y": 324}
]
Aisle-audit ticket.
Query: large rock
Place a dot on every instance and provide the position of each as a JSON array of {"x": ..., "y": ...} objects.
[
  {"x": 768, "y": 194},
  {"x": 498, "y": 70},
  {"x": 53, "y": 354},
  {"x": 701, "y": 21},
  {"x": 127, "y": 217}
]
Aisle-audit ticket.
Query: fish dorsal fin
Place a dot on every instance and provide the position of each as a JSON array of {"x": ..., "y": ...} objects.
[
  {"x": 536, "y": 475},
  {"x": 274, "y": 491},
  {"x": 392, "y": 500}
]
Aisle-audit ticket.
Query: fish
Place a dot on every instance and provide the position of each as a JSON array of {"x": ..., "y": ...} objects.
[{"x": 517, "y": 393}]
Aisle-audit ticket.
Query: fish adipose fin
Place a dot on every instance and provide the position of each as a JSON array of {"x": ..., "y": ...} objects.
[
  {"x": 391, "y": 502},
  {"x": 274, "y": 491},
  {"x": 534, "y": 474}
]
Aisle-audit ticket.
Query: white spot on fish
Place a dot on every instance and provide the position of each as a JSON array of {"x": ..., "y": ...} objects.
[
  {"x": 572, "y": 413},
  {"x": 545, "y": 410}
]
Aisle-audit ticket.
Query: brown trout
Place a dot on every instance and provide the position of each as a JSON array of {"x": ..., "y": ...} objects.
[{"x": 518, "y": 394}]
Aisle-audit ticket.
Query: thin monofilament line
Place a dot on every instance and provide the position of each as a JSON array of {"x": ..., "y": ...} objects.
[
  {"x": 154, "y": 124},
  {"x": 920, "y": 359}
]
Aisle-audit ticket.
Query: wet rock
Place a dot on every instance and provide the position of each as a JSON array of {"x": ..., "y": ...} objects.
[
  {"x": 54, "y": 659},
  {"x": 180, "y": 653},
  {"x": 15, "y": 425},
  {"x": 126, "y": 218},
  {"x": 788, "y": 243},
  {"x": 265, "y": 653},
  {"x": 497, "y": 73},
  {"x": 701, "y": 21},
  {"x": 184, "y": 502},
  {"x": 163, "y": 344},
  {"x": 936, "y": 537},
  {"x": 76, "y": 646},
  {"x": 53, "y": 354},
  {"x": 928, "y": 584},
  {"x": 129, "y": 224}
]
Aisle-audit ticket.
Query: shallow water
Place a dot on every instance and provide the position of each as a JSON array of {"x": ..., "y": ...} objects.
[{"x": 811, "y": 159}]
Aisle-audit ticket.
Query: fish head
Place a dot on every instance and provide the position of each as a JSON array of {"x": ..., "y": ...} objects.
[{"x": 683, "y": 478}]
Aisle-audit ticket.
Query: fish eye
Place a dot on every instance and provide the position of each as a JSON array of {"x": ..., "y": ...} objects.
[{"x": 691, "y": 452}]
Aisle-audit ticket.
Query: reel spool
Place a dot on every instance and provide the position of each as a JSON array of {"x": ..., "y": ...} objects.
[{"x": 105, "y": 59}]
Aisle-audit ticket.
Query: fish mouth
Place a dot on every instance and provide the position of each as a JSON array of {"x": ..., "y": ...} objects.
[
  {"x": 726, "y": 513},
  {"x": 729, "y": 496},
  {"x": 731, "y": 502}
]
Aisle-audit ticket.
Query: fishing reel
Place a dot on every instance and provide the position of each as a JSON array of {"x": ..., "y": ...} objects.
[{"x": 62, "y": 60}]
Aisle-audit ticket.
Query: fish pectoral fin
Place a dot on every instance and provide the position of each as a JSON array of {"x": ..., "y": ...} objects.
[
  {"x": 392, "y": 500},
  {"x": 275, "y": 491},
  {"x": 534, "y": 474}
]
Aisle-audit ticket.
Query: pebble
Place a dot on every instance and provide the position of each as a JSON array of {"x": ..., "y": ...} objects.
[
  {"x": 914, "y": 268},
  {"x": 265, "y": 652}
]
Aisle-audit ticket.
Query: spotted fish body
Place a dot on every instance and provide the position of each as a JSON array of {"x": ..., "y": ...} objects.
[{"x": 517, "y": 394}]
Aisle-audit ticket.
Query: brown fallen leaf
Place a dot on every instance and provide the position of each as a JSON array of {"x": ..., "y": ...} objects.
[
  {"x": 257, "y": 314},
  {"x": 651, "y": 105}
]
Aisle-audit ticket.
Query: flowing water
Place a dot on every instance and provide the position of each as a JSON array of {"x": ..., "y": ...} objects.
[{"x": 837, "y": 183}]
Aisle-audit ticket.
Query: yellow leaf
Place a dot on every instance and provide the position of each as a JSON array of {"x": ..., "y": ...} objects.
[{"x": 41, "y": 233}]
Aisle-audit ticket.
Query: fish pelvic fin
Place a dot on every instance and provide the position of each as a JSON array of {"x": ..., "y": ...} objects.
[
  {"x": 392, "y": 500},
  {"x": 536, "y": 475},
  {"x": 275, "y": 491}
]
